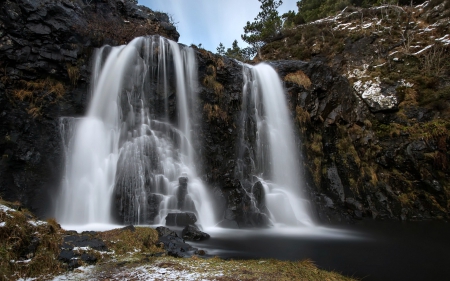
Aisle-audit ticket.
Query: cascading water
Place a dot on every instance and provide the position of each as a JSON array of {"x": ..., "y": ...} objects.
[
  {"x": 125, "y": 156},
  {"x": 267, "y": 151}
]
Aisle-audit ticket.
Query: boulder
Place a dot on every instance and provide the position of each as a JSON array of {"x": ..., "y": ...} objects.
[
  {"x": 180, "y": 219},
  {"x": 173, "y": 244},
  {"x": 192, "y": 233}
]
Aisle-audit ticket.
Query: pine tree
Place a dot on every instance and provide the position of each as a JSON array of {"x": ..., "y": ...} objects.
[
  {"x": 266, "y": 27},
  {"x": 235, "y": 51},
  {"x": 221, "y": 49}
]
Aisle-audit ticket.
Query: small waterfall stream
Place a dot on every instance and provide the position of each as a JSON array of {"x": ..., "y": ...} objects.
[
  {"x": 267, "y": 142},
  {"x": 126, "y": 157}
]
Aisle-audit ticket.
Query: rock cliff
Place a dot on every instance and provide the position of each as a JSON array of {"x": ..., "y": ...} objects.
[{"x": 45, "y": 50}]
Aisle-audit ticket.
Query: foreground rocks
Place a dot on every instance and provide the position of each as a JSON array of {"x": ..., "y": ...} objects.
[{"x": 175, "y": 245}]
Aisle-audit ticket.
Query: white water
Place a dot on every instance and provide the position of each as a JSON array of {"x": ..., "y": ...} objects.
[
  {"x": 121, "y": 156},
  {"x": 274, "y": 154}
]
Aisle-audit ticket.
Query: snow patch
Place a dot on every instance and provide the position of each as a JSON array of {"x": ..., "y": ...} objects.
[
  {"x": 37, "y": 223},
  {"x": 423, "y": 50},
  {"x": 2, "y": 224},
  {"x": 445, "y": 39},
  {"x": 5, "y": 209},
  {"x": 367, "y": 25}
]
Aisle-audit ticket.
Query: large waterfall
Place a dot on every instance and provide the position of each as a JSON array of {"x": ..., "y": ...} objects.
[
  {"x": 267, "y": 142},
  {"x": 132, "y": 158},
  {"x": 126, "y": 157}
]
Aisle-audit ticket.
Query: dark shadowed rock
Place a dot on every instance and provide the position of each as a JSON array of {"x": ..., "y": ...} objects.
[
  {"x": 173, "y": 244},
  {"x": 192, "y": 233},
  {"x": 180, "y": 219}
]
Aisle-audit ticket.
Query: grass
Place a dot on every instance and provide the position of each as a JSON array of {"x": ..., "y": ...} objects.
[
  {"x": 299, "y": 78},
  {"x": 222, "y": 270},
  {"x": 214, "y": 112},
  {"x": 17, "y": 235},
  {"x": 122, "y": 242},
  {"x": 37, "y": 93}
]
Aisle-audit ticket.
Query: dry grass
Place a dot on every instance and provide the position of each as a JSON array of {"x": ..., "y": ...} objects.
[
  {"x": 16, "y": 237},
  {"x": 37, "y": 92},
  {"x": 229, "y": 270},
  {"x": 142, "y": 240},
  {"x": 303, "y": 117},
  {"x": 214, "y": 112},
  {"x": 299, "y": 78},
  {"x": 73, "y": 72},
  {"x": 211, "y": 83}
]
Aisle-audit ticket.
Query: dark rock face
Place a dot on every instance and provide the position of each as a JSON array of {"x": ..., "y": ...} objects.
[
  {"x": 45, "y": 48},
  {"x": 192, "y": 233}
]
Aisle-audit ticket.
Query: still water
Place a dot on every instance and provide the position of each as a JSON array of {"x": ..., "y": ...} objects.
[{"x": 369, "y": 250}]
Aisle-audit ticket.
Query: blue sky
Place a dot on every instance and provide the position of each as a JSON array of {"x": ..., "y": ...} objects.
[{"x": 210, "y": 22}]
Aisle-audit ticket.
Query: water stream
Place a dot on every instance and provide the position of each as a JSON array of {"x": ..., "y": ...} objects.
[{"x": 267, "y": 141}]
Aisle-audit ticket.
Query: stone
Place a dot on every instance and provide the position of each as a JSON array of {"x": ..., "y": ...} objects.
[
  {"x": 173, "y": 244},
  {"x": 180, "y": 219},
  {"x": 192, "y": 233},
  {"x": 377, "y": 100},
  {"x": 259, "y": 195}
]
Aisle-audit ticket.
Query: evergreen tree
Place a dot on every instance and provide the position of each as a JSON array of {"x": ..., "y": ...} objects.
[
  {"x": 234, "y": 52},
  {"x": 266, "y": 27},
  {"x": 221, "y": 49}
]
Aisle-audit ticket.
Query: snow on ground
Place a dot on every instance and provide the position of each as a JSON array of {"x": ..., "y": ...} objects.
[
  {"x": 444, "y": 40},
  {"x": 5, "y": 209},
  {"x": 423, "y": 50},
  {"x": 144, "y": 272},
  {"x": 37, "y": 223}
]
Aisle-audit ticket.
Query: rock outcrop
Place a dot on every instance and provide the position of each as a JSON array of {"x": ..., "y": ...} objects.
[{"x": 45, "y": 50}]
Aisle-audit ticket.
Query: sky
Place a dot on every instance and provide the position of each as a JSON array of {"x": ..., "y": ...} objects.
[{"x": 211, "y": 22}]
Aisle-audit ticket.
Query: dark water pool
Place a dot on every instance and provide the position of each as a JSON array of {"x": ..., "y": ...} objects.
[{"x": 369, "y": 251}]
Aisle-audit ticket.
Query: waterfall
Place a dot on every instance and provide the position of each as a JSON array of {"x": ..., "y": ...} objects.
[
  {"x": 268, "y": 156},
  {"x": 133, "y": 153}
]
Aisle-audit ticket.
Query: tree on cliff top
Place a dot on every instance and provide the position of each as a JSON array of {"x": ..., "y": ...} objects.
[{"x": 266, "y": 27}]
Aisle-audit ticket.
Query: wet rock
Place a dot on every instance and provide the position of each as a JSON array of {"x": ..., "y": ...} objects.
[
  {"x": 192, "y": 233},
  {"x": 73, "y": 241},
  {"x": 173, "y": 244},
  {"x": 335, "y": 183},
  {"x": 259, "y": 195},
  {"x": 182, "y": 192},
  {"x": 78, "y": 247},
  {"x": 180, "y": 219},
  {"x": 226, "y": 223}
]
